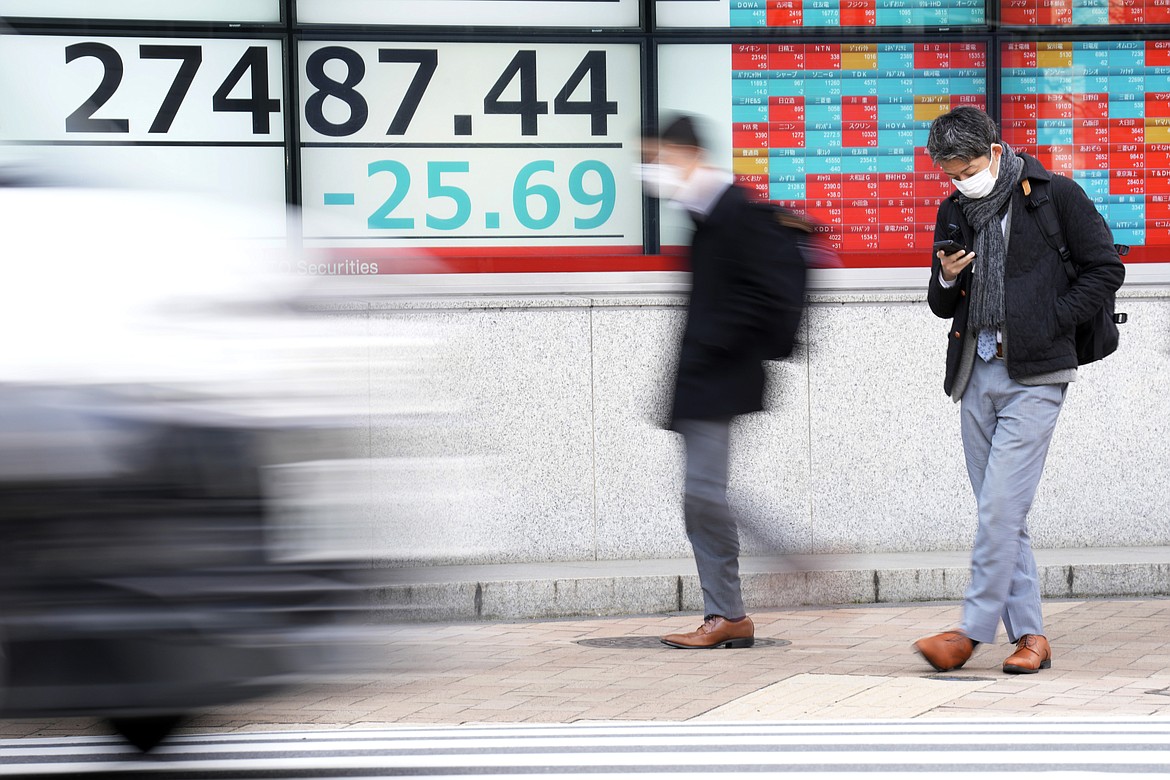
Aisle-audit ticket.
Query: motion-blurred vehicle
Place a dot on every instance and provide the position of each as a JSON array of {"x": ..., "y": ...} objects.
[{"x": 174, "y": 431}]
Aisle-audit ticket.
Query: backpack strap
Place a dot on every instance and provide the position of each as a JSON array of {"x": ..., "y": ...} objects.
[{"x": 1041, "y": 206}]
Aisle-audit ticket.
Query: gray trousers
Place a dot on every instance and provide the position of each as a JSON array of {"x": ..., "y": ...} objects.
[
  {"x": 1006, "y": 431},
  {"x": 710, "y": 526}
]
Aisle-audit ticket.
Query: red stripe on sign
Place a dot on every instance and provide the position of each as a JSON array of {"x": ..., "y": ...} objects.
[{"x": 537, "y": 260}]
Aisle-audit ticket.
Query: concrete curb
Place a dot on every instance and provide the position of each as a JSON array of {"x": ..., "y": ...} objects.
[{"x": 610, "y": 588}]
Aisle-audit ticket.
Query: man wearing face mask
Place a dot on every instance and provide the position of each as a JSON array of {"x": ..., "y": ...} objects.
[
  {"x": 735, "y": 251},
  {"x": 1010, "y": 357}
]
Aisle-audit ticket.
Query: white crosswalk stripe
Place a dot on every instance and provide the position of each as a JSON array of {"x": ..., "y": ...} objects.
[{"x": 680, "y": 751}]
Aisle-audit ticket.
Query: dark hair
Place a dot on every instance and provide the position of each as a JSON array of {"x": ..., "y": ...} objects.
[
  {"x": 684, "y": 131},
  {"x": 963, "y": 133}
]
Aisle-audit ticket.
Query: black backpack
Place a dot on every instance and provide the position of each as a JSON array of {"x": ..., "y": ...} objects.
[
  {"x": 787, "y": 279},
  {"x": 1098, "y": 336}
]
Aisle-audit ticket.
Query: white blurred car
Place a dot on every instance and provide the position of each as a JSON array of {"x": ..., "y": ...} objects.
[{"x": 164, "y": 401}]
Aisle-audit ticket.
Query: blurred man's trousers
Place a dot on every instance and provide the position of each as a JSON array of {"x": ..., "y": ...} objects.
[{"x": 710, "y": 526}]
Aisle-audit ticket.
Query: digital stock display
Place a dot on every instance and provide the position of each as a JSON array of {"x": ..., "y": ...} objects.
[
  {"x": 470, "y": 146},
  {"x": 821, "y": 13},
  {"x": 854, "y": 13},
  {"x": 838, "y": 130},
  {"x": 1099, "y": 112},
  {"x": 1083, "y": 12},
  {"x": 512, "y": 154}
]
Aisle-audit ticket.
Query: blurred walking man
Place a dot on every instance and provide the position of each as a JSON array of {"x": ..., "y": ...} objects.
[
  {"x": 1010, "y": 357},
  {"x": 736, "y": 254}
]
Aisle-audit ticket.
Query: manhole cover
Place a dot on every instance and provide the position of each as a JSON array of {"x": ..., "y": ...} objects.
[
  {"x": 646, "y": 642},
  {"x": 960, "y": 678}
]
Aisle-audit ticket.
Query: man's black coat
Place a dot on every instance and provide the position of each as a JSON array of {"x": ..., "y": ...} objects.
[
  {"x": 743, "y": 270},
  {"x": 1042, "y": 308}
]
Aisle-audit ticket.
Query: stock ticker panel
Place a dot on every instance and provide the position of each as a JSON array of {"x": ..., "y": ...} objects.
[
  {"x": 1083, "y": 12},
  {"x": 859, "y": 13},
  {"x": 1099, "y": 112},
  {"x": 838, "y": 131}
]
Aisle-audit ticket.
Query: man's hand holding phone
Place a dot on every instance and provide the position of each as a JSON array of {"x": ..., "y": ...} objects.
[{"x": 954, "y": 258}]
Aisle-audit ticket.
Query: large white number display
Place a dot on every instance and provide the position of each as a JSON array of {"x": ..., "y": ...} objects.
[
  {"x": 470, "y": 145},
  {"x": 494, "y": 13},
  {"x": 175, "y": 113},
  {"x": 170, "y": 10}
]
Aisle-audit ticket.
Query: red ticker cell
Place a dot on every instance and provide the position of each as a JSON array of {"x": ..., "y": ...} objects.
[
  {"x": 1128, "y": 183},
  {"x": 932, "y": 56},
  {"x": 859, "y": 138},
  {"x": 1158, "y": 207},
  {"x": 895, "y": 242},
  {"x": 786, "y": 139},
  {"x": 1090, "y": 160},
  {"x": 1158, "y": 155},
  {"x": 1020, "y": 106},
  {"x": 895, "y": 216},
  {"x": 1157, "y": 236},
  {"x": 1056, "y": 158},
  {"x": 1090, "y": 106},
  {"x": 858, "y": 17},
  {"x": 823, "y": 56},
  {"x": 1091, "y": 131},
  {"x": 756, "y": 185},
  {"x": 1127, "y": 160},
  {"x": 1018, "y": 55},
  {"x": 1055, "y": 107},
  {"x": 1127, "y": 12},
  {"x": 860, "y": 186},
  {"x": 1051, "y": 12},
  {"x": 825, "y": 214},
  {"x": 1127, "y": 131},
  {"x": 923, "y": 161},
  {"x": 754, "y": 57},
  {"x": 1158, "y": 182},
  {"x": 823, "y": 193},
  {"x": 966, "y": 55},
  {"x": 784, "y": 56},
  {"x": 926, "y": 215},
  {"x": 1019, "y": 12},
  {"x": 750, "y": 139},
  {"x": 789, "y": 17},
  {"x": 1158, "y": 52}
]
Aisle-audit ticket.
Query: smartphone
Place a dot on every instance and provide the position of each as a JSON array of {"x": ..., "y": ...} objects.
[{"x": 949, "y": 247}]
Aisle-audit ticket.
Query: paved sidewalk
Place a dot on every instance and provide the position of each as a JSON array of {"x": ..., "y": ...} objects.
[{"x": 1111, "y": 658}]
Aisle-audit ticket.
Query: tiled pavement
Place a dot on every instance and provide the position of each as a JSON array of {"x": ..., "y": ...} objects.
[{"x": 1111, "y": 658}]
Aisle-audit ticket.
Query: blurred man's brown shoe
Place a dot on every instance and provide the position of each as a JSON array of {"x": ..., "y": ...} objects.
[
  {"x": 1032, "y": 654},
  {"x": 716, "y": 631},
  {"x": 946, "y": 651}
]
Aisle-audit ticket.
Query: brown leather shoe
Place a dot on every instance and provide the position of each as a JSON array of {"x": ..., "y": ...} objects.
[
  {"x": 716, "y": 631},
  {"x": 946, "y": 651},
  {"x": 1032, "y": 654}
]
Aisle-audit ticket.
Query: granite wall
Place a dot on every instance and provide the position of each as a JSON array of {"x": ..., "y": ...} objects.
[{"x": 549, "y": 446}]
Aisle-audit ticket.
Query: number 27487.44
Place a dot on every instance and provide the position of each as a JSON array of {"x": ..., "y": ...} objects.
[{"x": 536, "y": 205}]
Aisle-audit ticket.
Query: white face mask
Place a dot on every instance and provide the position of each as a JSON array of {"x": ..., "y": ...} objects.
[
  {"x": 661, "y": 180},
  {"x": 980, "y": 185}
]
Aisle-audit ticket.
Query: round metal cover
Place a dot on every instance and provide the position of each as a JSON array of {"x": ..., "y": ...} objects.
[{"x": 647, "y": 642}]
